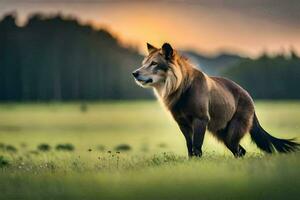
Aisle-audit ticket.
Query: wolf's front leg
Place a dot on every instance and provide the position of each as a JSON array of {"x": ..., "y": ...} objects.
[
  {"x": 188, "y": 134},
  {"x": 199, "y": 128}
]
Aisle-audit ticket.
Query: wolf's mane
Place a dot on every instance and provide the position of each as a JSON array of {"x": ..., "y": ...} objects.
[{"x": 178, "y": 80}]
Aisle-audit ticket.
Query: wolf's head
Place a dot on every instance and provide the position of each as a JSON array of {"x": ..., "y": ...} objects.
[{"x": 160, "y": 69}]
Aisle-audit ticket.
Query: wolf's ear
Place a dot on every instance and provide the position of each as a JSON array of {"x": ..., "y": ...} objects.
[
  {"x": 150, "y": 48},
  {"x": 167, "y": 51}
]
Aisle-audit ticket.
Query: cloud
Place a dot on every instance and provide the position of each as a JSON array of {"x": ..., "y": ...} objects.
[
  {"x": 278, "y": 11},
  {"x": 246, "y": 25}
]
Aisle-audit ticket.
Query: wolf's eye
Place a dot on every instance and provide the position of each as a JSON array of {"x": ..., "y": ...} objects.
[
  {"x": 160, "y": 67},
  {"x": 153, "y": 63}
]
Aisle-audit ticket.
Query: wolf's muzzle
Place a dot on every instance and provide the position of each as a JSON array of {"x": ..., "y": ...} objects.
[
  {"x": 141, "y": 79},
  {"x": 135, "y": 74}
]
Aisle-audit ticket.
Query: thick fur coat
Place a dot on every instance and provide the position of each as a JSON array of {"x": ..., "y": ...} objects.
[{"x": 198, "y": 102}]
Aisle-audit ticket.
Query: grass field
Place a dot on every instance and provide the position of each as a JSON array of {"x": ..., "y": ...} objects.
[{"x": 154, "y": 167}]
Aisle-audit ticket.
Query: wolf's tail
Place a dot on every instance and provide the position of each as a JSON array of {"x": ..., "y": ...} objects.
[{"x": 268, "y": 143}]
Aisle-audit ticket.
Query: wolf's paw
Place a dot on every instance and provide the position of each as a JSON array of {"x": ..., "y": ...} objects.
[
  {"x": 241, "y": 152},
  {"x": 197, "y": 153}
]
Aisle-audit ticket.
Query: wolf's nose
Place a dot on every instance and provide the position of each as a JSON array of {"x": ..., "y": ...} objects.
[{"x": 135, "y": 73}]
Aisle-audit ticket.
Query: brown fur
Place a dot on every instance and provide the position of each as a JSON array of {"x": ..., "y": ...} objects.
[{"x": 199, "y": 102}]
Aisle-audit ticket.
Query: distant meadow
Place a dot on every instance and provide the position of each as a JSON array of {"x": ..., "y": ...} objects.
[{"x": 126, "y": 150}]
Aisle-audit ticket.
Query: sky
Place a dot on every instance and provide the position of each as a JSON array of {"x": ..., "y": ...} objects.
[{"x": 247, "y": 27}]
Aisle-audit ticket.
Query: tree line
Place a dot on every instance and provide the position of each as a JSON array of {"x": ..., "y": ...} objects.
[
  {"x": 57, "y": 58},
  {"x": 267, "y": 77}
]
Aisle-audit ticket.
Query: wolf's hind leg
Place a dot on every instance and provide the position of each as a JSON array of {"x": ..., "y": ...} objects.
[
  {"x": 236, "y": 149},
  {"x": 235, "y": 131}
]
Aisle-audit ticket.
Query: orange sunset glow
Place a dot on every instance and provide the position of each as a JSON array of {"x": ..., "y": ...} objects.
[{"x": 199, "y": 25}]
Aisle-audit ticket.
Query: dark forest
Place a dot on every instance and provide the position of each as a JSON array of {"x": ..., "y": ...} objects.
[{"x": 56, "y": 58}]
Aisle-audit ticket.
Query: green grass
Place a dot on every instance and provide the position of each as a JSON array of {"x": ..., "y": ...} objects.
[{"x": 155, "y": 166}]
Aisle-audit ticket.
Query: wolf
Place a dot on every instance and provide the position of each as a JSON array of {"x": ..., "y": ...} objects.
[{"x": 199, "y": 102}]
